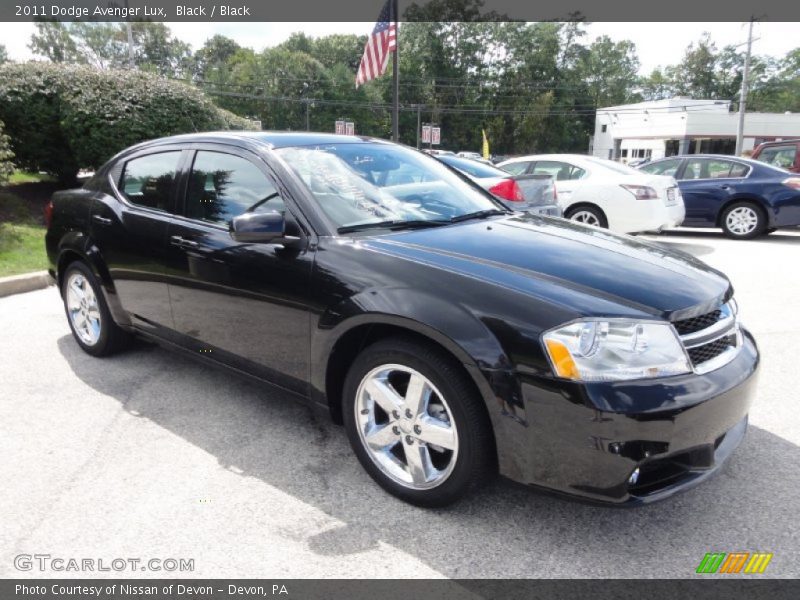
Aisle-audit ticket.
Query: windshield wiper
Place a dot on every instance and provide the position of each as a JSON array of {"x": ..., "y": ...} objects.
[
  {"x": 393, "y": 224},
  {"x": 481, "y": 214}
]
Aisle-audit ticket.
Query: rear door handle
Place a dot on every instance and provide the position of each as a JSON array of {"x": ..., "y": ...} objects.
[
  {"x": 181, "y": 242},
  {"x": 101, "y": 220}
]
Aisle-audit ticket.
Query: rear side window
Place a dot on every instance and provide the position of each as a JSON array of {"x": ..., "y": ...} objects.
[
  {"x": 662, "y": 167},
  {"x": 516, "y": 168},
  {"x": 560, "y": 171},
  {"x": 148, "y": 180},
  {"x": 779, "y": 156},
  {"x": 711, "y": 168},
  {"x": 223, "y": 186}
]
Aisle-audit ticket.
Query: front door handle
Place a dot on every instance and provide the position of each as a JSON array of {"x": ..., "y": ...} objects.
[
  {"x": 101, "y": 220},
  {"x": 181, "y": 242}
]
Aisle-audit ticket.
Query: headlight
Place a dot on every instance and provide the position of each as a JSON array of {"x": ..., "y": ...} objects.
[{"x": 597, "y": 350}]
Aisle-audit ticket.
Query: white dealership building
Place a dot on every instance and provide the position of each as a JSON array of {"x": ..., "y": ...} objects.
[{"x": 683, "y": 126}]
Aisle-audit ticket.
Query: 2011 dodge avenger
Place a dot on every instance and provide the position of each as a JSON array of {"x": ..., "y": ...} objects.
[{"x": 453, "y": 338}]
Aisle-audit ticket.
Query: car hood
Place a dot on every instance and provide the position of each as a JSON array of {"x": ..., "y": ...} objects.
[{"x": 540, "y": 256}]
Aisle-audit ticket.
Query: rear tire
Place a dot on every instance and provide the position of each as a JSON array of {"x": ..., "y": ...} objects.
[
  {"x": 416, "y": 423},
  {"x": 587, "y": 215},
  {"x": 87, "y": 313},
  {"x": 743, "y": 221}
]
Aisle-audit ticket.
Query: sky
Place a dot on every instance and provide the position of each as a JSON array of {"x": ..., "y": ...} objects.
[{"x": 657, "y": 44}]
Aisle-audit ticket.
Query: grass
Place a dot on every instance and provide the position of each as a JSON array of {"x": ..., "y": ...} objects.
[
  {"x": 18, "y": 177},
  {"x": 21, "y": 223}
]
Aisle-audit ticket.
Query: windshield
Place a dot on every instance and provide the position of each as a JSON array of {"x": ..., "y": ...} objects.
[
  {"x": 613, "y": 166},
  {"x": 361, "y": 184},
  {"x": 474, "y": 168}
]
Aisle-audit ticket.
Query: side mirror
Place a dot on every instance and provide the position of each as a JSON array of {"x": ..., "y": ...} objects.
[{"x": 258, "y": 228}]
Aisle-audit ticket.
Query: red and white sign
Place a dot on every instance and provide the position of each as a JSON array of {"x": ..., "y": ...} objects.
[
  {"x": 339, "y": 127},
  {"x": 350, "y": 128},
  {"x": 436, "y": 136},
  {"x": 426, "y": 134}
]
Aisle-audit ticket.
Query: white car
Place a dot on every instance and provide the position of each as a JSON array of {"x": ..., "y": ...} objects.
[{"x": 604, "y": 193}]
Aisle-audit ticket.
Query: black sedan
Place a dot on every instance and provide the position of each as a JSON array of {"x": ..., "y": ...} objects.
[
  {"x": 745, "y": 198},
  {"x": 452, "y": 338}
]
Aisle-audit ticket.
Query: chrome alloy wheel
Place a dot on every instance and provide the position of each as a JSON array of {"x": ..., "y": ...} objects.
[
  {"x": 83, "y": 310},
  {"x": 742, "y": 220},
  {"x": 406, "y": 426},
  {"x": 586, "y": 217}
]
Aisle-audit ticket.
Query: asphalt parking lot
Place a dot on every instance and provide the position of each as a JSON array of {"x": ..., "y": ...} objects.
[{"x": 150, "y": 455}]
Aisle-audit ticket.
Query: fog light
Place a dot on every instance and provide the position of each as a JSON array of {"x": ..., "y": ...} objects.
[{"x": 634, "y": 476}]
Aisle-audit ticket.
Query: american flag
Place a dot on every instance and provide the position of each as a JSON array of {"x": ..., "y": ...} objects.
[{"x": 380, "y": 44}]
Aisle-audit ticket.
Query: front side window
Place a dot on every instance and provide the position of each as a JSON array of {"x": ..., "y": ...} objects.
[
  {"x": 560, "y": 171},
  {"x": 358, "y": 185},
  {"x": 663, "y": 167},
  {"x": 223, "y": 186},
  {"x": 779, "y": 156},
  {"x": 148, "y": 180}
]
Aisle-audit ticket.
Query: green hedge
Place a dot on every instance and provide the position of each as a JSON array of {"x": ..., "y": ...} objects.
[
  {"x": 6, "y": 166},
  {"x": 62, "y": 118}
]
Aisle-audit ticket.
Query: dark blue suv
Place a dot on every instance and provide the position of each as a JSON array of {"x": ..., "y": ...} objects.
[{"x": 746, "y": 198}]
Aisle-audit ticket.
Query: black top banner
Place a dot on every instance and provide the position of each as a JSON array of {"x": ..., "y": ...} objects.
[{"x": 409, "y": 10}]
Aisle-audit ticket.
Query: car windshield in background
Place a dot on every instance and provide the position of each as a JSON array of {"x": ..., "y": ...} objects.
[
  {"x": 473, "y": 168},
  {"x": 613, "y": 166},
  {"x": 363, "y": 185}
]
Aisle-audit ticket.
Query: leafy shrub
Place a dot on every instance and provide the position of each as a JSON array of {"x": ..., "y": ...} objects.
[
  {"x": 6, "y": 167},
  {"x": 65, "y": 117}
]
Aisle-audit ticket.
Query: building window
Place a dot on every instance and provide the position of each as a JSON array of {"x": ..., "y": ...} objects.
[{"x": 604, "y": 128}]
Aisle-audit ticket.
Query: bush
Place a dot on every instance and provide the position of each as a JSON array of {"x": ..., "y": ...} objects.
[
  {"x": 65, "y": 117},
  {"x": 6, "y": 166}
]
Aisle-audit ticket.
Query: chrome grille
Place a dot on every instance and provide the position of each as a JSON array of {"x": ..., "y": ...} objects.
[
  {"x": 694, "y": 324},
  {"x": 711, "y": 340}
]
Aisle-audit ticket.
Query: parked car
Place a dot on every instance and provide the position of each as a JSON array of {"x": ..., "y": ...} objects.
[
  {"x": 784, "y": 154},
  {"x": 606, "y": 194},
  {"x": 472, "y": 155},
  {"x": 451, "y": 337},
  {"x": 437, "y": 152},
  {"x": 744, "y": 197},
  {"x": 530, "y": 193}
]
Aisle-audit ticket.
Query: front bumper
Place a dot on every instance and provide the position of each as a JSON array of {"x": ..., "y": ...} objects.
[{"x": 588, "y": 439}]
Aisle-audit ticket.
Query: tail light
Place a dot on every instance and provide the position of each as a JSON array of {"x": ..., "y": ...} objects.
[
  {"x": 792, "y": 182},
  {"x": 508, "y": 190},
  {"x": 48, "y": 213},
  {"x": 555, "y": 193},
  {"x": 641, "y": 192}
]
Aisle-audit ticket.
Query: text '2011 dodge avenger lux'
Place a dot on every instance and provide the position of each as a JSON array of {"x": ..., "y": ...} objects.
[{"x": 452, "y": 337}]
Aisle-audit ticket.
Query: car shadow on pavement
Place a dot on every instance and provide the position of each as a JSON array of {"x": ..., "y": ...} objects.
[{"x": 505, "y": 530}]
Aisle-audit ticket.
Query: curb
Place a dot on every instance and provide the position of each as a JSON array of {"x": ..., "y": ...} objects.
[{"x": 27, "y": 282}]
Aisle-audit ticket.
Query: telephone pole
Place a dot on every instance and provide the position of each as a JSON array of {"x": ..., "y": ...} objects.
[{"x": 743, "y": 95}]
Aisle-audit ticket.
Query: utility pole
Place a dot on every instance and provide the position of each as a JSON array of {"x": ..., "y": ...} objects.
[
  {"x": 743, "y": 95},
  {"x": 419, "y": 124},
  {"x": 130, "y": 37}
]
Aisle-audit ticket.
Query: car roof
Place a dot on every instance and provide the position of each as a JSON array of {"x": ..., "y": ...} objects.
[{"x": 273, "y": 139}]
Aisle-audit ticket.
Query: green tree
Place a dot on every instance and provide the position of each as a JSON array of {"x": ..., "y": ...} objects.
[{"x": 6, "y": 155}]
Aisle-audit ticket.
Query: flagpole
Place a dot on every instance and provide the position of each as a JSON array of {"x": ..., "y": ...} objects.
[{"x": 395, "y": 77}]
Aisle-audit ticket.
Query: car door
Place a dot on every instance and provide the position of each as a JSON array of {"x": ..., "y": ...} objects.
[
  {"x": 244, "y": 304},
  {"x": 706, "y": 184},
  {"x": 129, "y": 228}
]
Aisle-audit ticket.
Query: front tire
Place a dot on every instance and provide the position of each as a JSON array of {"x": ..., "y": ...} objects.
[
  {"x": 743, "y": 221},
  {"x": 87, "y": 312},
  {"x": 416, "y": 423}
]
